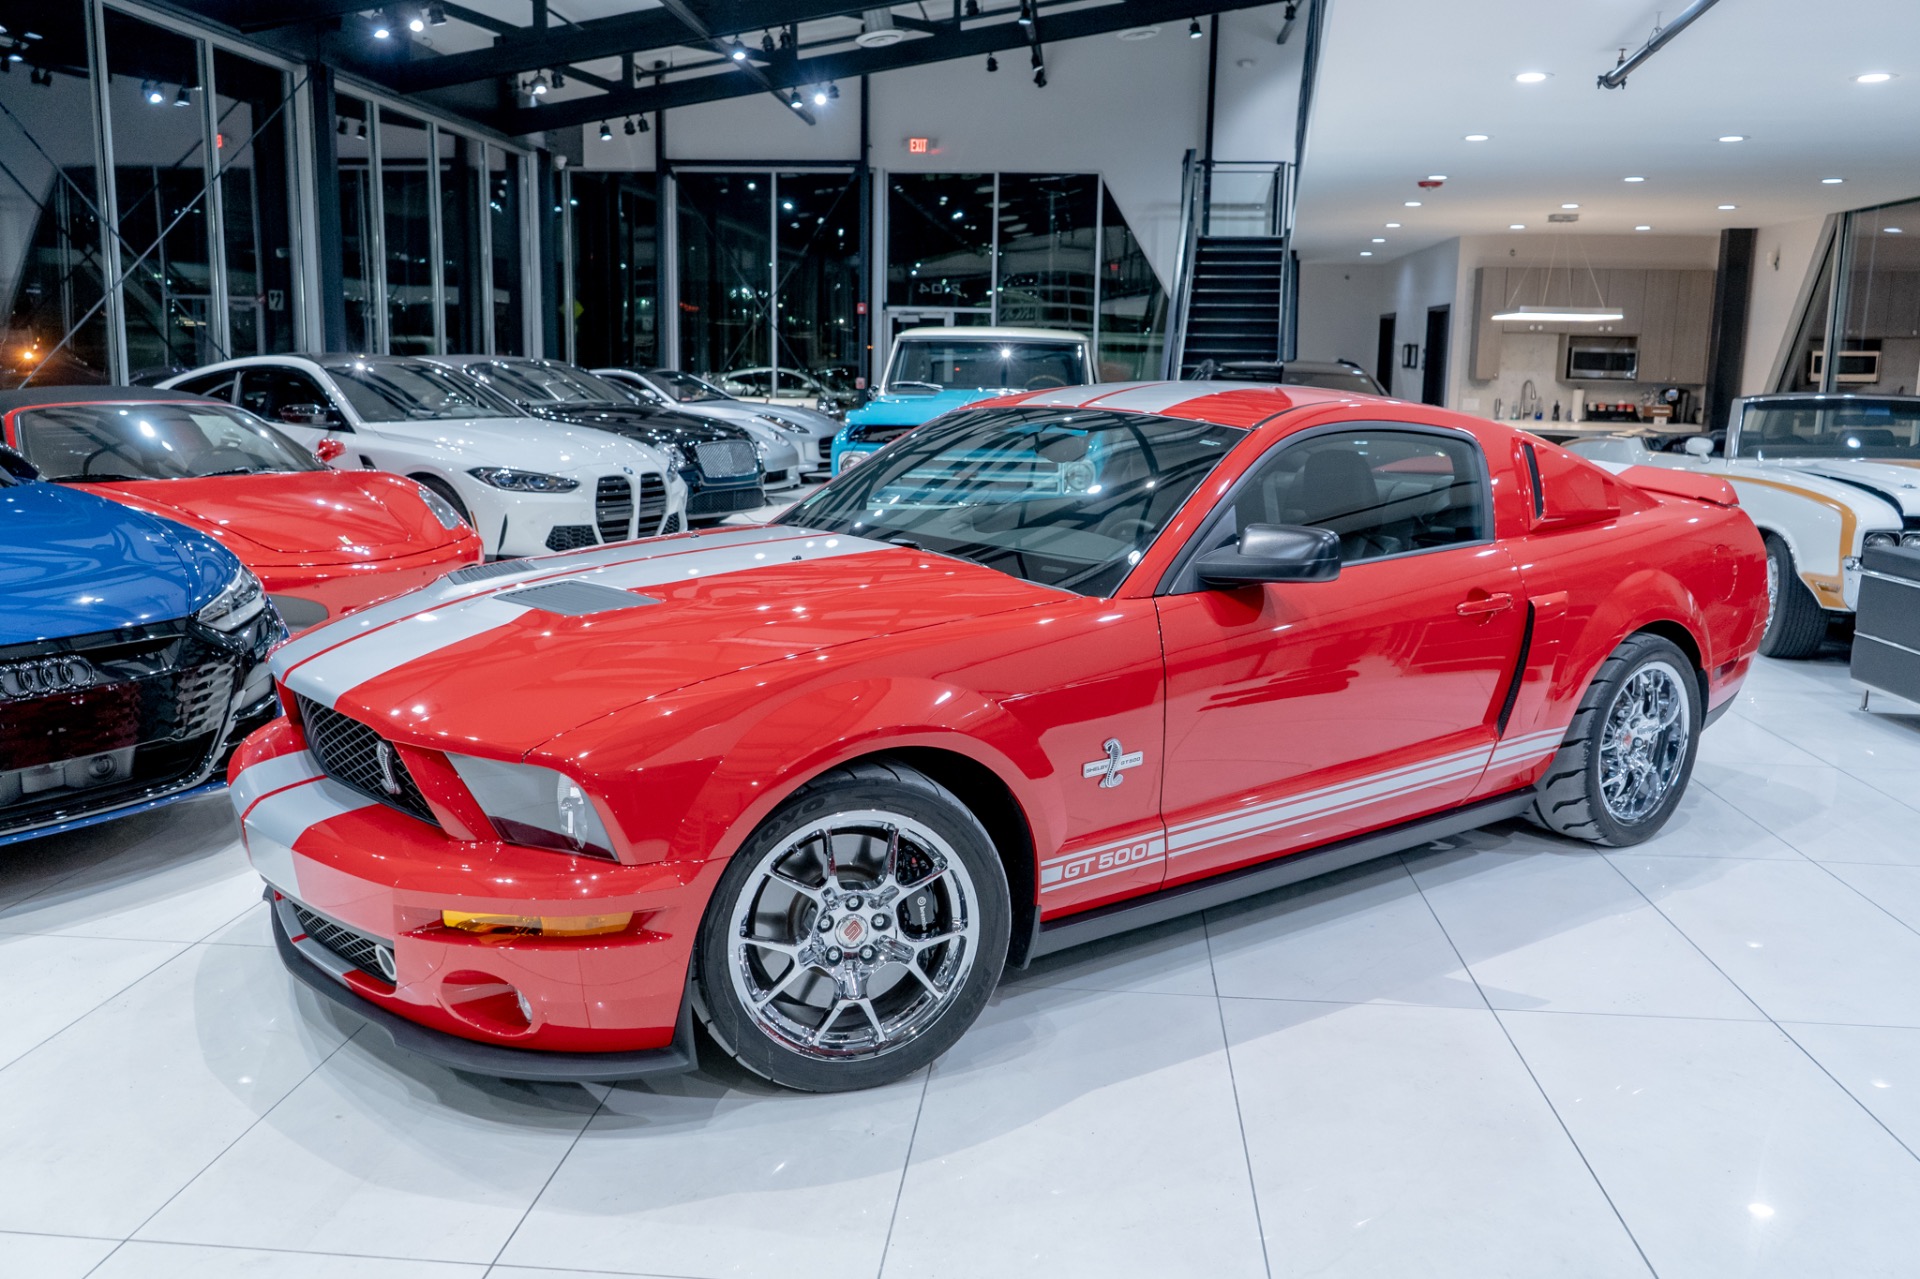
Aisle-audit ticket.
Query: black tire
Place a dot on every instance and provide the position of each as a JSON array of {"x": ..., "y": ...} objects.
[
  {"x": 1796, "y": 624},
  {"x": 1572, "y": 798},
  {"x": 446, "y": 491},
  {"x": 725, "y": 960}
]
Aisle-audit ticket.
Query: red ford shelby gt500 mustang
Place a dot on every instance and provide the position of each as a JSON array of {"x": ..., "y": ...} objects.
[{"x": 1041, "y": 671}]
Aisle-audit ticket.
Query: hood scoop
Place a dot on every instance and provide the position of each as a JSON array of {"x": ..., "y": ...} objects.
[
  {"x": 481, "y": 572},
  {"x": 575, "y": 599}
]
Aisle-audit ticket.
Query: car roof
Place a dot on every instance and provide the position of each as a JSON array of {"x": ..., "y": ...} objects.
[
  {"x": 1815, "y": 397},
  {"x": 38, "y": 396},
  {"x": 1239, "y": 404},
  {"x": 992, "y": 334}
]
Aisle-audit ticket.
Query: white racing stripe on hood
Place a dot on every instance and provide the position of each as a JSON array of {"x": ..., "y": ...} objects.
[
  {"x": 443, "y": 592},
  {"x": 373, "y": 654}
]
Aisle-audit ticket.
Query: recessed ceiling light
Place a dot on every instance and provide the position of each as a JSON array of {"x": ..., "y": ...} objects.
[
  {"x": 1725, "y": 207},
  {"x": 1517, "y": 226},
  {"x": 1633, "y": 179},
  {"x": 1569, "y": 206},
  {"x": 1892, "y": 230},
  {"x": 1366, "y": 253},
  {"x": 1643, "y": 228},
  {"x": 1393, "y": 226},
  {"x": 1733, "y": 137},
  {"x": 1531, "y": 77},
  {"x": 1379, "y": 239},
  {"x": 1832, "y": 182},
  {"x": 1477, "y": 137},
  {"x": 1413, "y": 204},
  {"x": 1436, "y": 177},
  {"x": 1873, "y": 77}
]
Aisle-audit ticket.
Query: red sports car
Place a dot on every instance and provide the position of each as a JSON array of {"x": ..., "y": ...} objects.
[
  {"x": 1043, "y": 670},
  {"x": 323, "y": 542}
]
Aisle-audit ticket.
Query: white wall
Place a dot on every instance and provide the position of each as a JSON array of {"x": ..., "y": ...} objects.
[
  {"x": 1782, "y": 257},
  {"x": 1340, "y": 310},
  {"x": 1417, "y": 283}
]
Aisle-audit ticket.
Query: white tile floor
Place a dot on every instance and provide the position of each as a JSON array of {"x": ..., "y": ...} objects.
[{"x": 1503, "y": 1056}]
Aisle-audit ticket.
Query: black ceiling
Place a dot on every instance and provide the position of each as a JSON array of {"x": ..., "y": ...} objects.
[{"x": 694, "y": 36}]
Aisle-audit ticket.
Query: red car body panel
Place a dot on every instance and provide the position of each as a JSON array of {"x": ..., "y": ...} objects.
[
  {"x": 340, "y": 539},
  {"x": 1270, "y": 720}
]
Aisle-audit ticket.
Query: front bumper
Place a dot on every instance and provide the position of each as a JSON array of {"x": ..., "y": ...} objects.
[{"x": 386, "y": 877}]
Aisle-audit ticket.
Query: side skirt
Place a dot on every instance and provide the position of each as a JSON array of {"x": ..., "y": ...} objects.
[{"x": 1247, "y": 881}]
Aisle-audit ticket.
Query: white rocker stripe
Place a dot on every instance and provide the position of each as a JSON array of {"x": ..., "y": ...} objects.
[
  {"x": 259, "y": 780},
  {"x": 367, "y": 656},
  {"x": 1379, "y": 783},
  {"x": 1145, "y": 836}
]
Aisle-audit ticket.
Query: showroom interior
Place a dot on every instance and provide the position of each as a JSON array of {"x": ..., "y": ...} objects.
[{"x": 352, "y": 990}]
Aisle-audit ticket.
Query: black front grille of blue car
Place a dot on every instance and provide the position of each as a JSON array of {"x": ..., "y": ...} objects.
[{"x": 359, "y": 758}]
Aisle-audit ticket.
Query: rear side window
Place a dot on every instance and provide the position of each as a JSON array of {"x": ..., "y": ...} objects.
[
  {"x": 215, "y": 386},
  {"x": 265, "y": 390},
  {"x": 1382, "y": 492}
]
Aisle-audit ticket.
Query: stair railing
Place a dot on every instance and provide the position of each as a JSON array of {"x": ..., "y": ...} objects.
[
  {"x": 1192, "y": 200},
  {"x": 1226, "y": 199}
]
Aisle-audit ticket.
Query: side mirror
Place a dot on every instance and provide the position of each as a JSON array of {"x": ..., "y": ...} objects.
[
  {"x": 1698, "y": 446},
  {"x": 328, "y": 449},
  {"x": 305, "y": 415},
  {"x": 1273, "y": 553}
]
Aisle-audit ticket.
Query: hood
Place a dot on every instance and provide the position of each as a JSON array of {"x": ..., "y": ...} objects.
[
  {"x": 1895, "y": 482},
  {"x": 332, "y": 515},
  {"x": 531, "y": 443},
  {"x": 912, "y": 410},
  {"x": 510, "y": 660},
  {"x": 810, "y": 420},
  {"x": 76, "y": 564},
  {"x": 654, "y": 426}
]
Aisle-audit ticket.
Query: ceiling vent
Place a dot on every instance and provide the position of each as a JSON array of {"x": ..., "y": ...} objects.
[
  {"x": 1563, "y": 217},
  {"x": 877, "y": 30}
]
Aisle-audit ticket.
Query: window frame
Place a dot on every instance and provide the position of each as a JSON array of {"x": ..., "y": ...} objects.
[
  {"x": 327, "y": 398},
  {"x": 1181, "y": 578}
]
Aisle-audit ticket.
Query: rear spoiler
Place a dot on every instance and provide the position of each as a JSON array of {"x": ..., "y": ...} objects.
[{"x": 1697, "y": 488}]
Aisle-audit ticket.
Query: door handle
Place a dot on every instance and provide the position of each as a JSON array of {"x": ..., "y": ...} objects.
[{"x": 1497, "y": 602}]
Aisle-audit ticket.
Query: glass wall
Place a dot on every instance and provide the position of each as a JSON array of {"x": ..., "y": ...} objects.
[
  {"x": 616, "y": 269},
  {"x": 1866, "y": 341},
  {"x": 1132, "y": 322},
  {"x": 52, "y": 271},
  {"x": 359, "y": 222},
  {"x": 460, "y": 160},
  {"x": 504, "y": 204},
  {"x": 1045, "y": 257},
  {"x": 817, "y": 273},
  {"x": 406, "y": 197},
  {"x": 726, "y": 259},
  {"x": 940, "y": 240},
  {"x": 252, "y": 139}
]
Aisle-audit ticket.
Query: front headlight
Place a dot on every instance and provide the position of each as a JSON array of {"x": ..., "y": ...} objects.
[
  {"x": 442, "y": 509},
  {"x": 782, "y": 424},
  {"x": 506, "y": 477},
  {"x": 1882, "y": 539},
  {"x": 240, "y": 601},
  {"x": 536, "y": 806}
]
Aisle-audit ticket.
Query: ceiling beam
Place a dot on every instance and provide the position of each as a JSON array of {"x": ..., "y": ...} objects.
[
  {"x": 791, "y": 72},
  {"x": 610, "y": 37}
]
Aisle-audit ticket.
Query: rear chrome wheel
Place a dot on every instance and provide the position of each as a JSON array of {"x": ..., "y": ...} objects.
[
  {"x": 856, "y": 934},
  {"x": 1644, "y": 744}
]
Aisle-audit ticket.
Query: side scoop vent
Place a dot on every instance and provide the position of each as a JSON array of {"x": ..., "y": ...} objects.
[
  {"x": 575, "y": 599},
  {"x": 481, "y": 572}
]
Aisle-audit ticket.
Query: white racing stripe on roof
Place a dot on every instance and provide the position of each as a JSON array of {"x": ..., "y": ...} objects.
[
  {"x": 1073, "y": 397},
  {"x": 442, "y": 592},
  {"x": 371, "y": 655},
  {"x": 1158, "y": 397}
]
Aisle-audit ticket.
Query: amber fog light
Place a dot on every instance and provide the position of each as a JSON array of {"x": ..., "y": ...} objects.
[{"x": 537, "y": 925}]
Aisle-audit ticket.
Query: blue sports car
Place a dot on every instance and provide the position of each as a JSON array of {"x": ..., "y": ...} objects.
[{"x": 132, "y": 656}]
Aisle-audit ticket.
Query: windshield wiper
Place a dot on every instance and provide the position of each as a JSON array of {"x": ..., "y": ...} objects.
[
  {"x": 98, "y": 477},
  {"x": 238, "y": 470}
]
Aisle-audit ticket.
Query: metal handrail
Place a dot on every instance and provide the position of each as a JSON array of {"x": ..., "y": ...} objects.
[{"x": 1191, "y": 168}]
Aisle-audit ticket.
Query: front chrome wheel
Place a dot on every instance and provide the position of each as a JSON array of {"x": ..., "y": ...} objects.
[
  {"x": 853, "y": 935},
  {"x": 1643, "y": 748}
]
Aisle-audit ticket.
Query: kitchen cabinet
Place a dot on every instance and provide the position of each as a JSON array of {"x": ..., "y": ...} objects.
[
  {"x": 1657, "y": 329},
  {"x": 1489, "y": 299},
  {"x": 1692, "y": 329}
]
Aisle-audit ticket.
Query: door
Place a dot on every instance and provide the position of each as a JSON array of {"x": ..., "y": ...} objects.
[
  {"x": 1383, "y": 354},
  {"x": 1301, "y": 713},
  {"x": 1433, "y": 374}
]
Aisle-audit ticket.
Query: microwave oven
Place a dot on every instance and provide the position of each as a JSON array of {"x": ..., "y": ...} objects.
[
  {"x": 1602, "y": 359},
  {"x": 1854, "y": 366}
]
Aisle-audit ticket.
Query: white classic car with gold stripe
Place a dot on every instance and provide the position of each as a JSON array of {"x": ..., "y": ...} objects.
[{"x": 1824, "y": 477}]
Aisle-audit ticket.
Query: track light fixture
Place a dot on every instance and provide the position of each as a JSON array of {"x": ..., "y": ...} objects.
[
  {"x": 559, "y": 80},
  {"x": 833, "y": 91},
  {"x": 417, "y": 23},
  {"x": 1026, "y": 13},
  {"x": 786, "y": 37},
  {"x": 382, "y": 28},
  {"x": 993, "y": 64},
  {"x": 606, "y": 131},
  {"x": 184, "y": 98},
  {"x": 644, "y": 126},
  {"x": 1193, "y": 29},
  {"x": 539, "y": 87},
  {"x": 819, "y": 96},
  {"x": 1040, "y": 78},
  {"x": 436, "y": 15},
  {"x": 793, "y": 99},
  {"x": 737, "y": 51},
  {"x": 973, "y": 8},
  {"x": 766, "y": 42},
  {"x": 152, "y": 93},
  {"x": 43, "y": 76}
]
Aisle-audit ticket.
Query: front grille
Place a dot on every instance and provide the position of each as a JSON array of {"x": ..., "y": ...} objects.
[
  {"x": 826, "y": 448},
  {"x": 356, "y": 756},
  {"x": 613, "y": 508},
  {"x": 725, "y": 459},
  {"x": 356, "y": 947},
  {"x": 726, "y": 501},
  {"x": 571, "y": 537},
  {"x": 653, "y": 505}
]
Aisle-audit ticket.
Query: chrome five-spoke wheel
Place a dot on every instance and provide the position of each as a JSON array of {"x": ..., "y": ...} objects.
[
  {"x": 855, "y": 934},
  {"x": 1644, "y": 744}
]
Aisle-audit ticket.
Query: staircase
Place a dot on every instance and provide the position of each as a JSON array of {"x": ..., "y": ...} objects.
[{"x": 1235, "y": 309}]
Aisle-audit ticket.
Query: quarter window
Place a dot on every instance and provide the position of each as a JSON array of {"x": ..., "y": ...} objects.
[
  {"x": 266, "y": 390},
  {"x": 1382, "y": 492}
]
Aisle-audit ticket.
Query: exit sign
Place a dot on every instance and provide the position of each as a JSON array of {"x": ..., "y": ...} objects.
[{"x": 920, "y": 146}]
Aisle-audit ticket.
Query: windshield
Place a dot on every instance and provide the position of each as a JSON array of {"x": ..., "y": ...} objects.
[
  {"x": 548, "y": 383},
  {"x": 411, "y": 390},
  {"x": 77, "y": 443},
  {"x": 925, "y": 366},
  {"x": 1061, "y": 497},
  {"x": 1831, "y": 428},
  {"x": 685, "y": 388}
]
